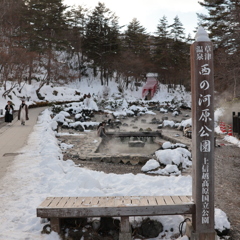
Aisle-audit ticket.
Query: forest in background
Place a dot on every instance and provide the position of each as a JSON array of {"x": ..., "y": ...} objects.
[{"x": 49, "y": 42}]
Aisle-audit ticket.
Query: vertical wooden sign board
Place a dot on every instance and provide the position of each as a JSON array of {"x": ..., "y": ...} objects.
[{"x": 202, "y": 84}]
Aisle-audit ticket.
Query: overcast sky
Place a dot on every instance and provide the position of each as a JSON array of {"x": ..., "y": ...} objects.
[{"x": 148, "y": 12}]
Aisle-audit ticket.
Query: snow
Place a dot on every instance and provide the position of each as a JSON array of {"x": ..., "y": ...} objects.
[
  {"x": 223, "y": 222},
  {"x": 169, "y": 169},
  {"x": 168, "y": 123},
  {"x": 151, "y": 75},
  {"x": 232, "y": 140},
  {"x": 201, "y": 35},
  {"x": 163, "y": 110},
  {"x": 65, "y": 146},
  {"x": 35, "y": 174},
  {"x": 40, "y": 171},
  {"x": 150, "y": 164},
  {"x": 175, "y": 156},
  {"x": 186, "y": 123},
  {"x": 166, "y": 145}
]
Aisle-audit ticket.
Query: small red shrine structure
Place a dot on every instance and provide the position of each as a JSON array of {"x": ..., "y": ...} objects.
[{"x": 150, "y": 87}]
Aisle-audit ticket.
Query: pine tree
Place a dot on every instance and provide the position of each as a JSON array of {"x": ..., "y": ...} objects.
[
  {"x": 76, "y": 19},
  {"x": 177, "y": 30},
  {"x": 161, "y": 54},
  {"x": 101, "y": 41},
  {"x": 222, "y": 23},
  {"x": 12, "y": 64},
  {"x": 162, "y": 28},
  {"x": 136, "y": 38},
  {"x": 171, "y": 54},
  {"x": 44, "y": 28},
  {"x": 44, "y": 23},
  {"x": 136, "y": 44}
]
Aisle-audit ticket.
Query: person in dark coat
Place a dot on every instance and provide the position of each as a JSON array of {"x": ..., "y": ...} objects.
[
  {"x": 9, "y": 112},
  {"x": 23, "y": 113}
]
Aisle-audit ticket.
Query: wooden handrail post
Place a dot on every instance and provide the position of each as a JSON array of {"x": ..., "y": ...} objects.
[{"x": 202, "y": 85}]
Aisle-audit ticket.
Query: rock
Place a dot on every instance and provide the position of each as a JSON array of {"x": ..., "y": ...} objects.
[
  {"x": 65, "y": 125},
  {"x": 163, "y": 110},
  {"x": 175, "y": 113},
  {"x": 75, "y": 222},
  {"x": 134, "y": 162},
  {"x": 79, "y": 128},
  {"x": 108, "y": 224},
  {"x": 150, "y": 228},
  {"x": 115, "y": 160},
  {"x": 154, "y": 121},
  {"x": 125, "y": 161},
  {"x": 96, "y": 224},
  {"x": 223, "y": 232},
  {"x": 136, "y": 144}
]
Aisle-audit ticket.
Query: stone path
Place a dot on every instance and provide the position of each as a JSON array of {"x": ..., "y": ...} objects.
[{"x": 14, "y": 137}]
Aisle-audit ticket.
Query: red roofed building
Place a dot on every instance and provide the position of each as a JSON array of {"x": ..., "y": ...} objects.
[{"x": 150, "y": 87}]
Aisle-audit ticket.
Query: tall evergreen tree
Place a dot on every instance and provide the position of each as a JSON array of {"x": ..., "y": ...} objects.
[
  {"x": 163, "y": 28},
  {"x": 76, "y": 19},
  {"x": 136, "y": 38},
  {"x": 161, "y": 54},
  {"x": 137, "y": 43},
  {"x": 44, "y": 23},
  {"x": 177, "y": 30},
  {"x": 222, "y": 22},
  {"x": 101, "y": 41},
  {"x": 11, "y": 53},
  {"x": 217, "y": 20},
  {"x": 171, "y": 55},
  {"x": 44, "y": 28}
]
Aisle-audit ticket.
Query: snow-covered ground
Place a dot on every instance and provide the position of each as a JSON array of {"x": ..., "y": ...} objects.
[
  {"x": 40, "y": 172},
  {"x": 74, "y": 91}
]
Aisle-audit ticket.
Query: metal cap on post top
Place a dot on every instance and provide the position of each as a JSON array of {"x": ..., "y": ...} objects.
[{"x": 201, "y": 35}]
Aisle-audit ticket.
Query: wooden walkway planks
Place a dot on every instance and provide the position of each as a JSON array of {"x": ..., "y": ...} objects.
[
  {"x": 84, "y": 202},
  {"x": 115, "y": 206},
  {"x": 56, "y": 208}
]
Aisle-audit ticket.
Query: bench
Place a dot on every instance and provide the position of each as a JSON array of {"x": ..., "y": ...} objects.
[{"x": 56, "y": 208}]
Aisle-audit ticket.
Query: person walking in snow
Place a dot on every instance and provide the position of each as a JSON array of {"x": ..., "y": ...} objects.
[
  {"x": 9, "y": 112},
  {"x": 23, "y": 113}
]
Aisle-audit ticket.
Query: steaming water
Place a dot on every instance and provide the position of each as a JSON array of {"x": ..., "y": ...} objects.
[{"x": 116, "y": 146}]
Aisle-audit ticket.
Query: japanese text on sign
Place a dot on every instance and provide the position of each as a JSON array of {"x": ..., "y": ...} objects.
[{"x": 204, "y": 54}]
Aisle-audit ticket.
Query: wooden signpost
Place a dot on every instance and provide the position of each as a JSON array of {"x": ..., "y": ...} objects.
[{"x": 202, "y": 82}]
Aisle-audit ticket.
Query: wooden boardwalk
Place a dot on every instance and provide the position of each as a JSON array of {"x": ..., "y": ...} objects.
[
  {"x": 135, "y": 134},
  {"x": 56, "y": 208}
]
